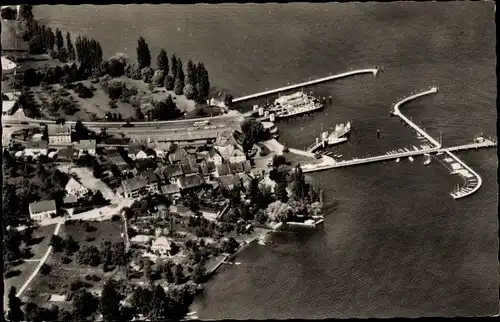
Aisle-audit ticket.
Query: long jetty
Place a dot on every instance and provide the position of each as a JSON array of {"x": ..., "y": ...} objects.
[
  {"x": 398, "y": 113},
  {"x": 373, "y": 71},
  {"x": 385, "y": 157}
]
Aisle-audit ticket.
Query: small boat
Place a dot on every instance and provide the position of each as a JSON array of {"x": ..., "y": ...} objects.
[
  {"x": 410, "y": 158},
  {"x": 397, "y": 160},
  {"x": 426, "y": 162},
  {"x": 440, "y": 153},
  {"x": 339, "y": 156},
  {"x": 406, "y": 149}
]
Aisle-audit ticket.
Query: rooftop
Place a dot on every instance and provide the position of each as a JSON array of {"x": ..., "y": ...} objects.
[
  {"x": 85, "y": 145},
  {"x": 170, "y": 189},
  {"x": 174, "y": 170},
  {"x": 149, "y": 177},
  {"x": 133, "y": 184},
  {"x": 191, "y": 181},
  {"x": 42, "y": 206},
  {"x": 36, "y": 144},
  {"x": 58, "y": 129}
]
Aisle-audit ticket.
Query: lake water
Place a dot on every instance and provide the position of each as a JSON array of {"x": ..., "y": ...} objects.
[{"x": 394, "y": 242}]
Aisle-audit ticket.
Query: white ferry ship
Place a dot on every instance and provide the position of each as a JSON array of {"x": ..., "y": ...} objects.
[
  {"x": 337, "y": 135},
  {"x": 294, "y": 104}
]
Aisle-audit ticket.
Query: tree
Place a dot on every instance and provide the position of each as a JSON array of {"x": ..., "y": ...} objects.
[
  {"x": 143, "y": 53},
  {"x": 202, "y": 83},
  {"x": 57, "y": 243},
  {"x": 191, "y": 73},
  {"x": 174, "y": 66},
  {"x": 229, "y": 246},
  {"x": 189, "y": 91},
  {"x": 15, "y": 313},
  {"x": 84, "y": 304},
  {"x": 162, "y": 61},
  {"x": 253, "y": 131},
  {"x": 278, "y": 211},
  {"x": 110, "y": 302},
  {"x": 138, "y": 114},
  {"x": 179, "y": 79},
  {"x": 141, "y": 300},
  {"x": 50, "y": 39},
  {"x": 227, "y": 99},
  {"x": 59, "y": 40},
  {"x": 198, "y": 275},
  {"x": 158, "y": 304},
  {"x": 178, "y": 274},
  {"x": 281, "y": 192},
  {"x": 45, "y": 269},
  {"x": 32, "y": 312},
  {"x": 98, "y": 199},
  {"x": 70, "y": 47}
]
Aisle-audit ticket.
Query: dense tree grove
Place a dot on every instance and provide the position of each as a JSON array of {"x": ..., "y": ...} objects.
[
  {"x": 110, "y": 302},
  {"x": 179, "y": 79},
  {"x": 15, "y": 313},
  {"x": 70, "y": 47},
  {"x": 89, "y": 53},
  {"x": 143, "y": 53},
  {"x": 254, "y": 132}
]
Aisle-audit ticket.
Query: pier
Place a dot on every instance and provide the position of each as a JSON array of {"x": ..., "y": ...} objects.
[
  {"x": 398, "y": 113},
  {"x": 373, "y": 71},
  {"x": 404, "y": 154},
  {"x": 465, "y": 191}
]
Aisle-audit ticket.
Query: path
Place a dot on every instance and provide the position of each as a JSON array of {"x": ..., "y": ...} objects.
[{"x": 42, "y": 261}]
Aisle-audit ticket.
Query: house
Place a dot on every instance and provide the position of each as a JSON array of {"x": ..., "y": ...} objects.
[
  {"x": 43, "y": 209},
  {"x": 171, "y": 190},
  {"x": 190, "y": 181},
  {"x": 141, "y": 239},
  {"x": 257, "y": 173},
  {"x": 173, "y": 172},
  {"x": 37, "y": 137},
  {"x": 229, "y": 181},
  {"x": 86, "y": 146},
  {"x": 246, "y": 180},
  {"x": 214, "y": 156},
  {"x": 237, "y": 156},
  {"x": 151, "y": 180},
  {"x": 175, "y": 157},
  {"x": 225, "y": 151},
  {"x": 141, "y": 155},
  {"x": 159, "y": 171},
  {"x": 116, "y": 159},
  {"x": 75, "y": 188},
  {"x": 59, "y": 134},
  {"x": 222, "y": 169},
  {"x": 247, "y": 166},
  {"x": 132, "y": 151},
  {"x": 227, "y": 138},
  {"x": 236, "y": 167},
  {"x": 70, "y": 200},
  {"x": 161, "y": 246},
  {"x": 67, "y": 154},
  {"x": 133, "y": 187},
  {"x": 201, "y": 156},
  {"x": 35, "y": 148},
  {"x": 189, "y": 168},
  {"x": 162, "y": 148}
]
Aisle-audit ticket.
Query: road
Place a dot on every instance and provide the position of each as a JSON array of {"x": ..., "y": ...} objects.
[{"x": 42, "y": 261}]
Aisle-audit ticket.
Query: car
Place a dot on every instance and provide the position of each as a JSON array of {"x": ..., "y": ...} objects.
[
  {"x": 7, "y": 125},
  {"x": 24, "y": 123},
  {"x": 128, "y": 125}
]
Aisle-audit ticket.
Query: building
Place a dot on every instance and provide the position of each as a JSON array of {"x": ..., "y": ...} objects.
[
  {"x": 229, "y": 181},
  {"x": 152, "y": 182},
  {"x": 214, "y": 156},
  {"x": 162, "y": 148},
  {"x": 222, "y": 169},
  {"x": 159, "y": 171},
  {"x": 189, "y": 168},
  {"x": 161, "y": 246},
  {"x": 43, "y": 209},
  {"x": 175, "y": 157},
  {"x": 237, "y": 156},
  {"x": 116, "y": 159},
  {"x": 236, "y": 167},
  {"x": 171, "y": 190},
  {"x": 35, "y": 148},
  {"x": 86, "y": 146},
  {"x": 132, "y": 152},
  {"x": 75, "y": 188},
  {"x": 246, "y": 180},
  {"x": 190, "y": 181},
  {"x": 132, "y": 188},
  {"x": 67, "y": 154},
  {"x": 173, "y": 172},
  {"x": 141, "y": 155},
  {"x": 141, "y": 239},
  {"x": 59, "y": 134},
  {"x": 70, "y": 200}
]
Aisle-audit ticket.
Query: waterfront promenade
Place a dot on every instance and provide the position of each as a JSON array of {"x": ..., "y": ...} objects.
[{"x": 373, "y": 71}]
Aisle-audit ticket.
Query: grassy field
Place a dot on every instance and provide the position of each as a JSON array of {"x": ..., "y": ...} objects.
[
  {"x": 62, "y": 274},
  {"x": 40, "y": 244}
]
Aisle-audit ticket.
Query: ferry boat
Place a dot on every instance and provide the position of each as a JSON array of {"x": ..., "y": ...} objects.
[{"x": 294, "y": 104}]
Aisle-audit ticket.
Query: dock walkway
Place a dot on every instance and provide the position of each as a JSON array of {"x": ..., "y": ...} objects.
[{"x": 373, "y": 71}]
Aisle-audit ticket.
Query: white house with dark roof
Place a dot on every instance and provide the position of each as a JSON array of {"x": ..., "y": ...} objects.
[
  {"x": 214, "y": 156},
  {"x": 133, "y": 187},
  {"x": 59, "y": 134},
  {"x": 42, "y": 210},
  {"x": 75, "y": 188}
]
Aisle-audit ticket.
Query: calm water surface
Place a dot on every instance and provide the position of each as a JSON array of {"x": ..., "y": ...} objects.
[{"x": 394, "y": 242}]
